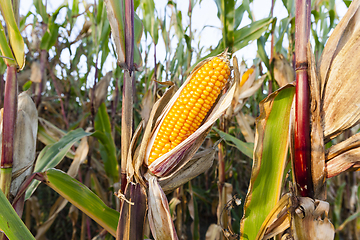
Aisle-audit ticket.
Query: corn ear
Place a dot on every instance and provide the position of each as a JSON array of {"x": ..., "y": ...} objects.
[
  {"x": 192, "y": 105},
  {"x": 184, "y": 151}
]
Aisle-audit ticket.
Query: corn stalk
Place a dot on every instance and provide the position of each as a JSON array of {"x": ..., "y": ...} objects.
[{"x": 302, "y": 143}]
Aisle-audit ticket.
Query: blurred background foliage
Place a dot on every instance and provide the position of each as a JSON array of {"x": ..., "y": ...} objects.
[{"x": 72, "y": 75}]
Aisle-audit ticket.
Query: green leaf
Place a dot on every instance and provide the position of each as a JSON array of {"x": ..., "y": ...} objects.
[
  {"x": 242, "y": 37},
  {"x": 270, "y": 155},
  {"x": 261, "y": 51},
  {"x": 52, "y": 155},
  {"x": 251, "y": 32},
  {"x": 10, "y": 223},
  {"x": 83, "y": 198},
  {"x": 246, "y": 148},
  {"x": 41, "y": 9},
  {"x": 5, "y": 48},
  {"x": 15, "y": 38},
  {"x": 50, "y": 36},
  {"x": 107, "y": 147}
]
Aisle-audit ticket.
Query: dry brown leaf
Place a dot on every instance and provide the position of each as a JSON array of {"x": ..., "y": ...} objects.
[
  {"x": 283, "y": 72},
  {"x": 214, "y": 232},
  {"x": 245, "y": 127},
  {"x": 101, "y": 90},
  {"x": 339, "y": 73},
  {"x": 341, "y": 34},
  {"x": 35, "y": 76},
  {"x": 318, "y": 172},
  {"x": 117, "y": 32},
  {"x": 310, "y": 220}
]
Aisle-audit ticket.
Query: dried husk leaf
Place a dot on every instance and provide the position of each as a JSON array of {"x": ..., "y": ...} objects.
[
  {"x": 245, "y": 128},
  {"x": 214, "y": 232},
  {"x": 130, "y": 164},
  {"x": 317, "y": 138},
  {"x": 154, "y": 114},
  {"x": 248, "y": 92},
  {"x": 161, "y": 224},
  {"x": 339, "y": 73},
  {"x": 310, "y": 220},
  {"x": 101, "y": 90},
  {"x": 283, "y": 72},
  {"x": 146, "y": 104},
  {"x": 35, "y": 76},
  {"x": 162, "y": 166},
  {"x": 180, "y": 175}
]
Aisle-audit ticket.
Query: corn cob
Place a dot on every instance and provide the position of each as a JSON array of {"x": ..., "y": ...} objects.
[
  {"x": 191, "y": 107},
  {"x": 246, "y": 76}
]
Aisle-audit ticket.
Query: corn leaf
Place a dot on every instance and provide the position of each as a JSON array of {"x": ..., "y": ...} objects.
[
  {"x": 269, "y": 160},
  {"x": 243, "y": 36},
  {"x": 5, "y": 48},
  {"x": 15, "y": 38},
  {"x": 107, "y": 147},
  {"x": 52, "y": 155},
  {"x": 244, "y": 147},
  {"x": 41, "y": 9},
  {"x": 82, "y": 198},
  {"x": 10, "y": 223}
]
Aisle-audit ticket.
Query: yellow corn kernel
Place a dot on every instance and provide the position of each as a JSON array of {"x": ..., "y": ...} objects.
[
  {"x": 245, "y": 76},
  {"x": 191, "y": 107}
]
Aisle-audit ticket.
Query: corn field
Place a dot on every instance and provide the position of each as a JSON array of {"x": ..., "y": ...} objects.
[{"x": 119, "y": 121}]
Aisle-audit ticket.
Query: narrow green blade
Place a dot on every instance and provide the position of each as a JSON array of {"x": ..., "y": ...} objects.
[
  {"x": 52, "y": 154},
  {"x": 244, "y": 147},
  {"x": 15, "y": 38},
  {"x": 270, "y": 153},
  {"x": 107, "y": 148},
  {"x": 10, "y": 223},
  {"x": 82, "y": 198}
]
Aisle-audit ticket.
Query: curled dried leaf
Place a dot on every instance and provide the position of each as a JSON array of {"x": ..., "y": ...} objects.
[{"x": 310, "y": 220}]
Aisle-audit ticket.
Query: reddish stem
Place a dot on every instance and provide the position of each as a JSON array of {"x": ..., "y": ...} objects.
[
  {"x": 9, "y": 118},
  {"x": 302, "y": 163}
]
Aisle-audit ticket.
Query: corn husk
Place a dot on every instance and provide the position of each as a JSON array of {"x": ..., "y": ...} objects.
[
  {"x": 159, "y": 215},
  {"x": 200, "y": 162}
]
